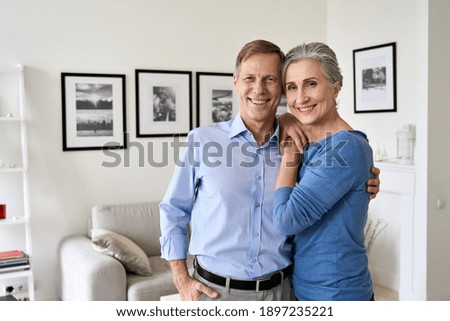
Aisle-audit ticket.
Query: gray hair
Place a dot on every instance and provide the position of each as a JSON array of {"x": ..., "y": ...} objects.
[{"x": 316, "y": 51}]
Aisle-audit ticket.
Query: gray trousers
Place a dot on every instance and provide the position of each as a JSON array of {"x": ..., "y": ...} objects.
[{"x": 283, "y": 292}]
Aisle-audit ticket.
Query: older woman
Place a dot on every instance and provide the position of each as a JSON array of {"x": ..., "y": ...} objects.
[{"x": 325, "y": 203}]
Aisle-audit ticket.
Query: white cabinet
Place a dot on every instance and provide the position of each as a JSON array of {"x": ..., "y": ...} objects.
[
  {"x": 15, "y": 231},
  {"x": 391, "y": 258}
]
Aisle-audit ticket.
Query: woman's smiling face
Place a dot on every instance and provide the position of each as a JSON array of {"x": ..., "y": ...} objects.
[{"x": 309, "y": 94}]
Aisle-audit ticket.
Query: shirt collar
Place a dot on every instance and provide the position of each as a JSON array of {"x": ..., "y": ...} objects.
[{"x": 238, "y": 127}]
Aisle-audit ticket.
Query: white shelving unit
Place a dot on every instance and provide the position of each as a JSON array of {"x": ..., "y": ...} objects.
[{"x": 15, "y": 230}]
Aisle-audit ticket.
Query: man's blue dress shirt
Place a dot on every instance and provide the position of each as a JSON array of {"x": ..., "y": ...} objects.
[{"x": 224, "y": 187}]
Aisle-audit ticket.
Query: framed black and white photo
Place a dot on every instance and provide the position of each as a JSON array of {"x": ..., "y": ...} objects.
[
  {"x": 93, "y": 111},
  {"x": 163, "y": 103},
  {"x": 216, "y": 99},
  {"x": 374, "y": 79}
]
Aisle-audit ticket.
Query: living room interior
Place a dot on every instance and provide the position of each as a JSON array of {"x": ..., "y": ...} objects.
[{"x": 119, "y": 37}]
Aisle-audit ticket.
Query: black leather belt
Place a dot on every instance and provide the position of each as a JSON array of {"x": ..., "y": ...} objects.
[{"x": 255, "y": 285}]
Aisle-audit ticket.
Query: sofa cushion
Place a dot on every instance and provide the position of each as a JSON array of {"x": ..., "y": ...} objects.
[
  {"x": 122, "y": 249},
  {"x": 139, "y": 222}
]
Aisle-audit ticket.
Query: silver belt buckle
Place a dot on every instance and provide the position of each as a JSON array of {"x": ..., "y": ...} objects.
[
  {"x": 281, "y": 281},
  {"x": 261, "y": 280}
]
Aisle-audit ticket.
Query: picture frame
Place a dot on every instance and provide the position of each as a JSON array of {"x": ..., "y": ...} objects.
[
  {"x": 374, "y": 79},
  {"x": 216, "y": 99},
  {"x": 163, "y": 103},
  {"x": 93, "y": 111}
]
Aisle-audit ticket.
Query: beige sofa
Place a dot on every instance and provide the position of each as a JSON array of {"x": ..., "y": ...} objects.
[{"x": 86, "y": 273}]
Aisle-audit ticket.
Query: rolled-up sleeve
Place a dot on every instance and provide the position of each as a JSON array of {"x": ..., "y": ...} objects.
[{"x": 176, "y": 206}]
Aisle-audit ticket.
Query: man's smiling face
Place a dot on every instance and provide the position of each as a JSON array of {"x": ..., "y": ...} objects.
[{"x": 259, "y": 88}]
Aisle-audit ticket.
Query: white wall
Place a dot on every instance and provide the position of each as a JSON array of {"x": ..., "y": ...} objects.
[
  {"x": 438, "y": 281},
  {"x": 373, "y": 23},
  {"x": 114, "y": 36}
]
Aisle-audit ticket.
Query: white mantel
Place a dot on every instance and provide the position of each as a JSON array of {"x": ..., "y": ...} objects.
[{"x": 396, "y": 198}]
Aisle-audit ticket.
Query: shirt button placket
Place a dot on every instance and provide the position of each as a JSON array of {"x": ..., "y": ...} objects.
[{"x": 257, "y": 223}]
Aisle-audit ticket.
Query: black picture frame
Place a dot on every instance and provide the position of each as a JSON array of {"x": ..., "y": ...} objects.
[
  {"x": 163, "y": 102},
  {"x": 216, "y": 99},
  {"x": 374, "y": 79},
  {"x": 93, "y": 111}
]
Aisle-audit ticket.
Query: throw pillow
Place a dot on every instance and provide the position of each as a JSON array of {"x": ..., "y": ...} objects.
[{"x": 122, "y": 249}]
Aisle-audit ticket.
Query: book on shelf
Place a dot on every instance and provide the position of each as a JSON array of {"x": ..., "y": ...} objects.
[
  {"x": 5, "y": 255},
  {"x": 14, "y": 268},
  {"x": 19, "y": 263},
  {"x": 14, "y": 261}
]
